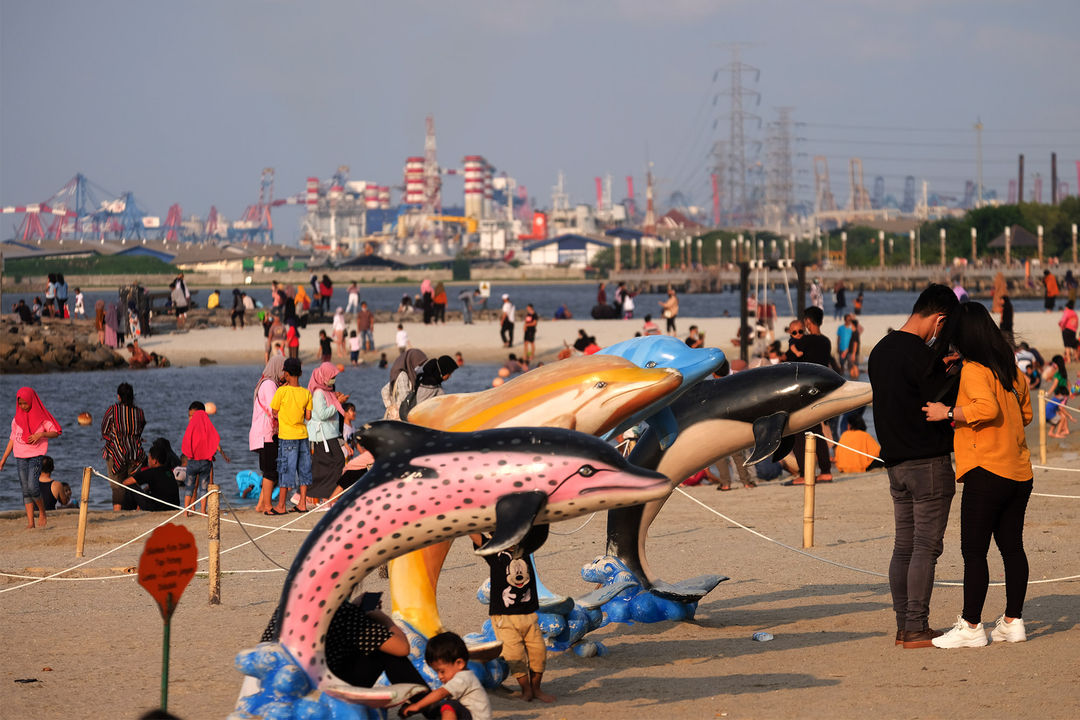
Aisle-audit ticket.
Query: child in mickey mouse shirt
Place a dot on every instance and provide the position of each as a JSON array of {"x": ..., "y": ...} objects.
[{"x": 513, "y": 607}]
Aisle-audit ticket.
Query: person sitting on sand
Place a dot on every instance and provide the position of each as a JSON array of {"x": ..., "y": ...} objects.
[
  {"x": 1056, "y": 413},
  {"x": 694, "y": 339},
  {"x": 53, "y": 492},
  {"x": 139, "y": 359},
  {"x": 854, "y": 446},
  {"x": 156, "y": 479},
  {"x": 362, "y": 644},
  {"x": 461, "y": 696},
  {"x": 649, "y": 328}
]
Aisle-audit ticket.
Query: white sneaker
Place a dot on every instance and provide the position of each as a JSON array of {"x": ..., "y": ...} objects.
[
  {"x": 962, "y": 635},
  {"x": 1008, "y": 632}
]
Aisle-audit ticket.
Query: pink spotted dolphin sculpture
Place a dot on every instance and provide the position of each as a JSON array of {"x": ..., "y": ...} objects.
[{"x": 428, "y": 486}]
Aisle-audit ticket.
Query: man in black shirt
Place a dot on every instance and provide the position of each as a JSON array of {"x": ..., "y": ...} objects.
[
  {"x": 812, "y": 347},
  {"x": 907, "y": 370}
]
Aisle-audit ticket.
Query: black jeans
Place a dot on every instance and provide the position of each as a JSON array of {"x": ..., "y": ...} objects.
[
  {"x": 922, "y": 491},
  {"x": 993, "y": 506},
  {"x": 506, "y": 332}
]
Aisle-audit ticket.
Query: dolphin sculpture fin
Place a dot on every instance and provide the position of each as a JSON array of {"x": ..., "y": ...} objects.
[
  {"x": 665, "y": 426},
  {"x": 786, "y": 446},
  {"x": 514, "y": 515},
  {"x": 768, "y": 435}
]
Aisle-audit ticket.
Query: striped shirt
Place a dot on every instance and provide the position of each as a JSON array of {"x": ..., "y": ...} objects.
[{"x": 121, "y": 429}]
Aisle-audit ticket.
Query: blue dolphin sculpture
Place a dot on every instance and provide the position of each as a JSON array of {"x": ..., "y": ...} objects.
[{"x": 664, "y": 351}]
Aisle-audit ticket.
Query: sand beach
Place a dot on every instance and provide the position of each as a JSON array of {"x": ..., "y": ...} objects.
[
  {"x": 480, "y": 342},
  {"x": 91, "y": 642}
]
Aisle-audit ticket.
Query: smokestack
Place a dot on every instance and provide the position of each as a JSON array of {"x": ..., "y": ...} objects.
[
  {"x": 1020, "y": 182},
  {"x": 1053, "y": 179}
]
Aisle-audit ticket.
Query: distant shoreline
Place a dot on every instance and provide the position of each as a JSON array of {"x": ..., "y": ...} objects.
[{"x": 480, "y": 342}]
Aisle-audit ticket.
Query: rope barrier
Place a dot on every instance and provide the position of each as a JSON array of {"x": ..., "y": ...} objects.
[
  {"x": 578, "y": 529},
  {"x": 107, "y": 552},
  {"x": 134, "y": 489},
  {"x": 842, "y": 565},
  {"x": 181, "y": 510},
  {"x": 1034, "y": 467}
]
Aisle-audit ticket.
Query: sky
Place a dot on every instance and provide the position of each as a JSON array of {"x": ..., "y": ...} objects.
[{"x": 187, "y": 102}]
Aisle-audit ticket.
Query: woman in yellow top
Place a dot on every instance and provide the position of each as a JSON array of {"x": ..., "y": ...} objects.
[{"x": 992, "y": 460}]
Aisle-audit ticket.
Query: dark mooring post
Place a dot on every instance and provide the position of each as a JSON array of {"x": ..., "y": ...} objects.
[{"x": 744, "y": 317}]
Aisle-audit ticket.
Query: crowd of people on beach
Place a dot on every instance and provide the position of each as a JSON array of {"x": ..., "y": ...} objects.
[{"x": 949, "y": 383}]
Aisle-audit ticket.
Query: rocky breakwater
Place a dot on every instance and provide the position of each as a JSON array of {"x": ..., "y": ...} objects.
[{"x": 58, "y": 346}]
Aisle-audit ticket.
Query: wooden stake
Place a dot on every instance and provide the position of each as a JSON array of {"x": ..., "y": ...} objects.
[
  {"x": 213, "y": 507},
  {"x": 84, "y": 502},
  {"x": 1042, "y": 427},
  {"x": 809, "y": 474}
]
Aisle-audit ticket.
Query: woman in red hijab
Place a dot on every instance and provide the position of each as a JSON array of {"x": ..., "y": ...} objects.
[
  {"x": 201, "y": 442},
  {"x": 31, "y": 429}
]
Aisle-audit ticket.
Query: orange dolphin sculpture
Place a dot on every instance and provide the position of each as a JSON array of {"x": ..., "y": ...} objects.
[{"x": 590, "y": 394}]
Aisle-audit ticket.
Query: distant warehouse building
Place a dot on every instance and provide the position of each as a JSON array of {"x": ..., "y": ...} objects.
[{"x": 565, "y": 250}]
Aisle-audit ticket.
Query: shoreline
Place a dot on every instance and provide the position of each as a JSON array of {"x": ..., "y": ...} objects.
[{"x": 480, "y": 343}]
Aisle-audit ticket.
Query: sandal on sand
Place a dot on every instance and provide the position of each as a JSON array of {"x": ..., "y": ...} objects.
[
  {"x": 272, "y": 511},
  {"x": 824, "y": 478},
  {"x": 296, "y": 510},
  {"x": 723, "y": 488},
  {"x": 796, "y": 481}
]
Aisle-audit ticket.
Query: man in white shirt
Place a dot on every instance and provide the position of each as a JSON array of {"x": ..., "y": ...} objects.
[{"x": 506, "y": 321}]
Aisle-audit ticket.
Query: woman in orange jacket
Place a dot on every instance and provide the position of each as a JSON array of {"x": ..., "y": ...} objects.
[{"x": 992, "y": 408}]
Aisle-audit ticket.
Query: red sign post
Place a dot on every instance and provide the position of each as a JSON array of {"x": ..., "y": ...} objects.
[{"x": 166, "y": 567}]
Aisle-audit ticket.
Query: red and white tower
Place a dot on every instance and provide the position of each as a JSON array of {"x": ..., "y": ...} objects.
[
  {"x": 474, "y": 185},
  {"x": 414, "y": 181}
]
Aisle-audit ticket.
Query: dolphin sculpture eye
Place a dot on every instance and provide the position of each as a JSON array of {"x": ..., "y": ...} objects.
[
  {"x": 600, "y": 385},
  {"x": 650, "y": 364},
  {"x": 814, "y": 391},
  {"x": 586, "y": 471}
]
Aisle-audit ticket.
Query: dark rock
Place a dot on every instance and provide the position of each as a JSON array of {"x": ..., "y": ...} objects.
[{"x": 207, "y": 361}]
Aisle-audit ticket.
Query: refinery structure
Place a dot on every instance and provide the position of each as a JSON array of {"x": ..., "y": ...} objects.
[{"x": 410, "y": 220}]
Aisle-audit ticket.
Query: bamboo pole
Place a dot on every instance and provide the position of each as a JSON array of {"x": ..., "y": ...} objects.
[
  {"x": 809, "y": 473},
  {"x": 84, "y": 502},
  {"x": 213, "y": 508},
  {"x": 1042, "y": 427}
]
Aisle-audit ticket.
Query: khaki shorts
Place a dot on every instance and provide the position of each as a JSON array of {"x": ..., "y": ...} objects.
[{"x": 523, "y": 644}]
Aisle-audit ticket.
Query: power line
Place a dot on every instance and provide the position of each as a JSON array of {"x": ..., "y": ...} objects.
[
  {"x": 847, "y": 141},
  {"x": 897, "y": 128}
]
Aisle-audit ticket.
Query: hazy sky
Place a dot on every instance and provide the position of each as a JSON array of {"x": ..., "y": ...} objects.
[{"x": 187, "y": 101}]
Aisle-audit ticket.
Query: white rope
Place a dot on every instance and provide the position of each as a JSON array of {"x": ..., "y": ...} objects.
[
  {"x": 1039, "y": 467},
  {"x": 134, "y": 489},
  {"x": 578, "y": 529},
  {"x": 842, "y": 565},
  {"x": 107, "y": 552}
]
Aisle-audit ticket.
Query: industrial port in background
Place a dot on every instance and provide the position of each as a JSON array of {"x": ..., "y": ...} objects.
[{"x": 411, "y": 220}]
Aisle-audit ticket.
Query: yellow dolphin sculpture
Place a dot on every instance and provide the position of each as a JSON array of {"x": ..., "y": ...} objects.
[{"x": 591, "y": 394}]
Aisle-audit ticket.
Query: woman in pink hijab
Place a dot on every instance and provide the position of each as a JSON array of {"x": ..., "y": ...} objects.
[
  {"x": 31, "y": 429},
  {"x": 324, "y": 431}
]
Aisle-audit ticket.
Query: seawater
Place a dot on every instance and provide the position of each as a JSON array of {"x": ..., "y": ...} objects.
[
  {"x": 547, "y": 297},
  {"x": 164, "y": 395}
]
